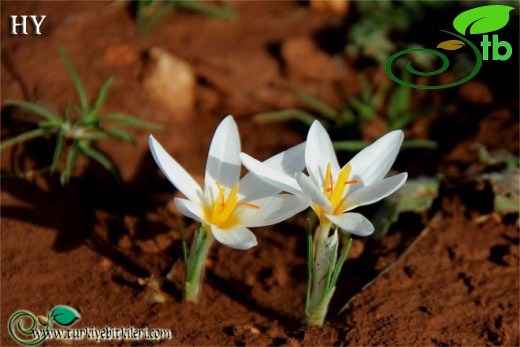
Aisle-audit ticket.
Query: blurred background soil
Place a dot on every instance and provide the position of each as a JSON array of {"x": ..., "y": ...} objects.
[{"x": 106, "y": 251}]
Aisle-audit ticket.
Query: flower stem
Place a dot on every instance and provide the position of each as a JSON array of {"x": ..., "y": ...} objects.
[
  {"x": 196, "y": 262},
  {"x": 320, "y": 295}
]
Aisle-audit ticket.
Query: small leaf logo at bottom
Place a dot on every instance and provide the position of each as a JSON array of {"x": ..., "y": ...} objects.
[
  {"x": 451, "y": 45},
  {"x": 64, "y": 315}
]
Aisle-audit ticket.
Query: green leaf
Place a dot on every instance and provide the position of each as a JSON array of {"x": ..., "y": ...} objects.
[
  {"x": 366, "y": 111},
  {"x": 400, "y": 99},
  {"x": 96, "y": 155},
  {"x": 310, "y": 264},
  {"x": 74, "y": 76},
  {"x": 285, "y": 115},
  {"x": 424, "y": 144},
  {"x": 149, "y": 13},
  {"x": 57, "y": 151},
  {"x": 341, "y": 261},
  {"x": 120, "y": 134},
  {"x": 483, "y": 19},
  {"x": 64, "y": 315},
  {"x": 349, "y": 146},
  {"x": 184, "y": 248},
  {"x": 72, "y": 156},
  {"x": 416, "y": 195},
  {"x": 22, "y": 138},
  {"x": 100, "y": 99},
  {"x": 321, "y": 107},
  {"x": 451, "y": 45},
  {"x": 43, "y": 112},
  {"x": 132, "y": 121}
]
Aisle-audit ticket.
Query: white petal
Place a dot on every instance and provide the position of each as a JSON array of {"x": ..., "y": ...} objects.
[
  {"x": 318, "y": 153},
  {"x": 354, "y": 223},
  {"x": 373, "y": 163},
  {"x": 272, "y": 176},
  {"x": 273, "y": 209},
  {"x": 238, "y": 237},
  {"x": 223, "y": 163},
  {"x": 288, "y": 162},
  {"x": 375, "y": 192},
  {"x": 190, "y": 209},
  {"x": 313, "y": 191},
  {"x": 174, "y": 172}
]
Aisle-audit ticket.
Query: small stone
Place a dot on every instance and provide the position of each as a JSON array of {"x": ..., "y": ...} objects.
[{"x": 171, "y": 81}]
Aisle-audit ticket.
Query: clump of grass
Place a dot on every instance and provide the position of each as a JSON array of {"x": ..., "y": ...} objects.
[
  {"x": 390, "y": 102},
  {"x": 150, "y": 12},
  {"x": 370, "y": 36},
  {"x": 77, "y": 135}
]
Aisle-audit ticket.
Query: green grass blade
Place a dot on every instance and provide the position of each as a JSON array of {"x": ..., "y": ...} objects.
[
  {"x": 74, "y": 76},
  {"x": 346, "y": 116},
  {"x": 22, "y": 138},
  {"x": 349, "y": 146},
  {"x": 365, "y": 111},
  {"x": 57, "y": 151},
  {"x": 100, "y": 99},
  {"x": 318, "y": 105},
  {"x": 121, "y": 135},
  {"x": 67, "y": 114},
  {"x": 184, "y": 247},
  {"x": 310, "y": 264},
  {"x": 399, "y": 101},
  {"x": 96, "y": 155},
  {"x": 72, "y": 157},
  {"x": 340, "y": 263},
  {"x": 366, "y": 89},
  {"x": 132, "y": 121},
  {"x": 149, "y": 13},
  {"x": 284, "y": 115},
  {"x": 41, "y": 111},
  {"x": 400, "y": 121},
  {"x": 423, "y": 144},
  {"x": 208, "y": 10}
]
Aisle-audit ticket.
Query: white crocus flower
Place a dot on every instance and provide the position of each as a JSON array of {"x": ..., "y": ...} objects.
[
  {"x": 335, "y": 191},
  {"x": 228, "y": 206}
]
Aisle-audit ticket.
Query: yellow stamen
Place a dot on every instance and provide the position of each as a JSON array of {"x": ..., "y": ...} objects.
[
  {"x": 339, "y": 188},
  {"x": 248, "y": 204},
  {"x": 335, "y": 190},
  {"x": 227, "y": 207},
  {"x": 328, "y": 186},
  {"x": 221, "y": 211}
]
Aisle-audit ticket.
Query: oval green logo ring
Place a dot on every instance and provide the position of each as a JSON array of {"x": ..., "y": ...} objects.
[{"x": 444, "y": 67}]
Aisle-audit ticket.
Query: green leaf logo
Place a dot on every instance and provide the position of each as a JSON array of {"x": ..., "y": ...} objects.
[
  {"x": 483, "y": 19},
  {"x": 451, "y": 45},
  {"x": 64, "y": 315}
]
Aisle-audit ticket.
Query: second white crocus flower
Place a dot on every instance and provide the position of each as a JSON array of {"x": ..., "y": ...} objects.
[
  {"x": 335, "y": 191},
  {"x": 228, "y": 205}
]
